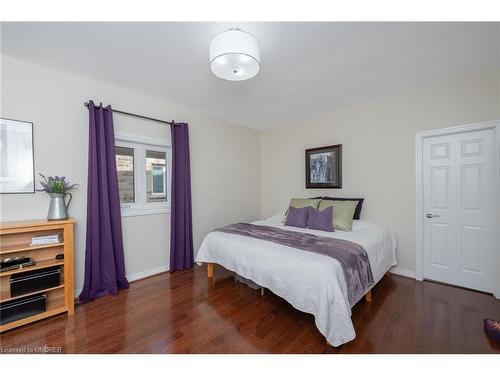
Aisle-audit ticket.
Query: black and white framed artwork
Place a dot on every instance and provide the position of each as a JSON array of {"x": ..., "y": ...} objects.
[
  {"x": 17, "y": 173},
  {"x": 324, "y": 167}
]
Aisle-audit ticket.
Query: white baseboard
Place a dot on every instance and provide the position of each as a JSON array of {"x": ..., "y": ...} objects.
[
  {"x": 402, "y": 272},
  {"x": 144, "y": 274},
  {"x": 138, "y": 275}
]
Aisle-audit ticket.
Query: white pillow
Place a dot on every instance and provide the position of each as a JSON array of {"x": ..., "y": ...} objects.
[
  {"x": 359, "y": 225},
  {"x": 277, "y": 219}
]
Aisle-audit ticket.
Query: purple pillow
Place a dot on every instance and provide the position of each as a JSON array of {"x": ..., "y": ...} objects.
[
  {"x": 297, "y": 217},
  {"x": 321, "y": 220}
]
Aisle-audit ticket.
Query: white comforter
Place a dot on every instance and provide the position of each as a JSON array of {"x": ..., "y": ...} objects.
[{"x": 311, "y": 282}]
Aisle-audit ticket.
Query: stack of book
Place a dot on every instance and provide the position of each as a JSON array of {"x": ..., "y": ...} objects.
[{"x": 45, "y": 240}]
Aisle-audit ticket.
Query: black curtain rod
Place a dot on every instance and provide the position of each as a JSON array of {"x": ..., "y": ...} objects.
[{"x": 86, "y": 104}]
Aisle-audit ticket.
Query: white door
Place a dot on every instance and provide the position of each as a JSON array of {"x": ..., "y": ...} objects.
[{"x": 459, "y": 209}]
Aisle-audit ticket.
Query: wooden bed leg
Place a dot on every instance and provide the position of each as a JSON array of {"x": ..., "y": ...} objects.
[
  {"x": 261, "y": 290},
  {"x": 368, "y": 296},
  {"x": 210, "y": 270}
]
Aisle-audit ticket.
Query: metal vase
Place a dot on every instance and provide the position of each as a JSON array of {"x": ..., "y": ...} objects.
[{"x": 58, "y": 209}]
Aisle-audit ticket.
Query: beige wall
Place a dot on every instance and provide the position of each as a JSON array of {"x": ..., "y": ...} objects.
[
  {"x": 378, "y": 141},
  {"x": 225, "y": 159}
]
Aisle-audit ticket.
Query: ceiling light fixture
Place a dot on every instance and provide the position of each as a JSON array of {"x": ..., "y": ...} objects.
[{"x": 234, "y": 55}]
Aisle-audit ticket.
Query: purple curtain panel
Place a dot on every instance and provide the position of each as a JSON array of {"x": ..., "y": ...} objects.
[
  {"x": 181, "y": 227},
  {"x": 104, "y": 260}
]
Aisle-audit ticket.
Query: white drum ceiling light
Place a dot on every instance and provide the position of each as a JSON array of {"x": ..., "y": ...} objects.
[{"x": 234, "y": 55}]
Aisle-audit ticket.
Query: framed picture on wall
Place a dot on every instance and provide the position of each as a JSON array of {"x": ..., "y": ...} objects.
[
  {"x": 324, "y": 167},
  {"x": 17, "y": 172}
]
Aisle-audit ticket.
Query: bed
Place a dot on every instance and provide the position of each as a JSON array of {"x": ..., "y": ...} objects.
[{"x": 310, "y": 282}]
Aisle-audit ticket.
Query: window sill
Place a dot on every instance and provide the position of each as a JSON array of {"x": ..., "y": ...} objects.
[{"x": 140, "y": 211}]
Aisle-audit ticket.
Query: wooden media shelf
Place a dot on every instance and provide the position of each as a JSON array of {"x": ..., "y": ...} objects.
[{"x": 15, "y": 240}]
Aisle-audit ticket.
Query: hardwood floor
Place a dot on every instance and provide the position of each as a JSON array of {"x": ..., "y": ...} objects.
[{"x": 185, "y": 313}]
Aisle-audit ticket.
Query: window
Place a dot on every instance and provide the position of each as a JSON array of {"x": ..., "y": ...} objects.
[
  {"x": 143, "y": 167},
  {"x": 125, "y": 169},
  {"x": 156, "y": 176},
  {"x": 158, "y": 181}
]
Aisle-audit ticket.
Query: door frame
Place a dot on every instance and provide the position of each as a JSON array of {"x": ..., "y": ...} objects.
[{"x": 419, "y": 141}]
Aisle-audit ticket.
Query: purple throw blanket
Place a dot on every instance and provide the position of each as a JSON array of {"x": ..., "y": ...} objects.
[{"x": 351, "y": 256}]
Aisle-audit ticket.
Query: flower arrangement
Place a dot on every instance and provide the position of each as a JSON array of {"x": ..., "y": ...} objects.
[{"x": 55, "y": 184}]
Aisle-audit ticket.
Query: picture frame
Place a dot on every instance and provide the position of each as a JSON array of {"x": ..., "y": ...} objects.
[
  {"x": 324, "y": 167},
  {"x": 17, "y": 164}
]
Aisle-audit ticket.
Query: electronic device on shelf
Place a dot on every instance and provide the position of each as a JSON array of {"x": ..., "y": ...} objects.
[
  {"x": 9, "y": 264},
  {"x": 34, "y": 280},
  {"x": 20, "y": 308}
]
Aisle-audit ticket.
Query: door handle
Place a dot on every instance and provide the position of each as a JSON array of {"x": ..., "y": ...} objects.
[{"x": 430, "y": 216}]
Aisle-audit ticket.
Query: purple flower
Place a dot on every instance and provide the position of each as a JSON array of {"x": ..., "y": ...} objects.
[{"x": 55, "y": 184}]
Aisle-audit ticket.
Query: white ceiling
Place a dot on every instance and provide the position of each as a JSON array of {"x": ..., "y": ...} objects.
[{"x": 306, "y": 69}]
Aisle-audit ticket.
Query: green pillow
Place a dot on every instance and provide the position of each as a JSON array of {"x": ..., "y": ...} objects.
[
  {"x": 304, "y": 202},
  {"x": 343, "y": 212}
]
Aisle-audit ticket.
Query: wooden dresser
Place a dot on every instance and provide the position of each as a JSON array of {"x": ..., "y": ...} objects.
[{"x": 15, "y": 240}]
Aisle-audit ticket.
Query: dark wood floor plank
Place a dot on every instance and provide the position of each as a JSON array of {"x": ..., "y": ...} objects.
[{"x": 184, "y": 312}]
